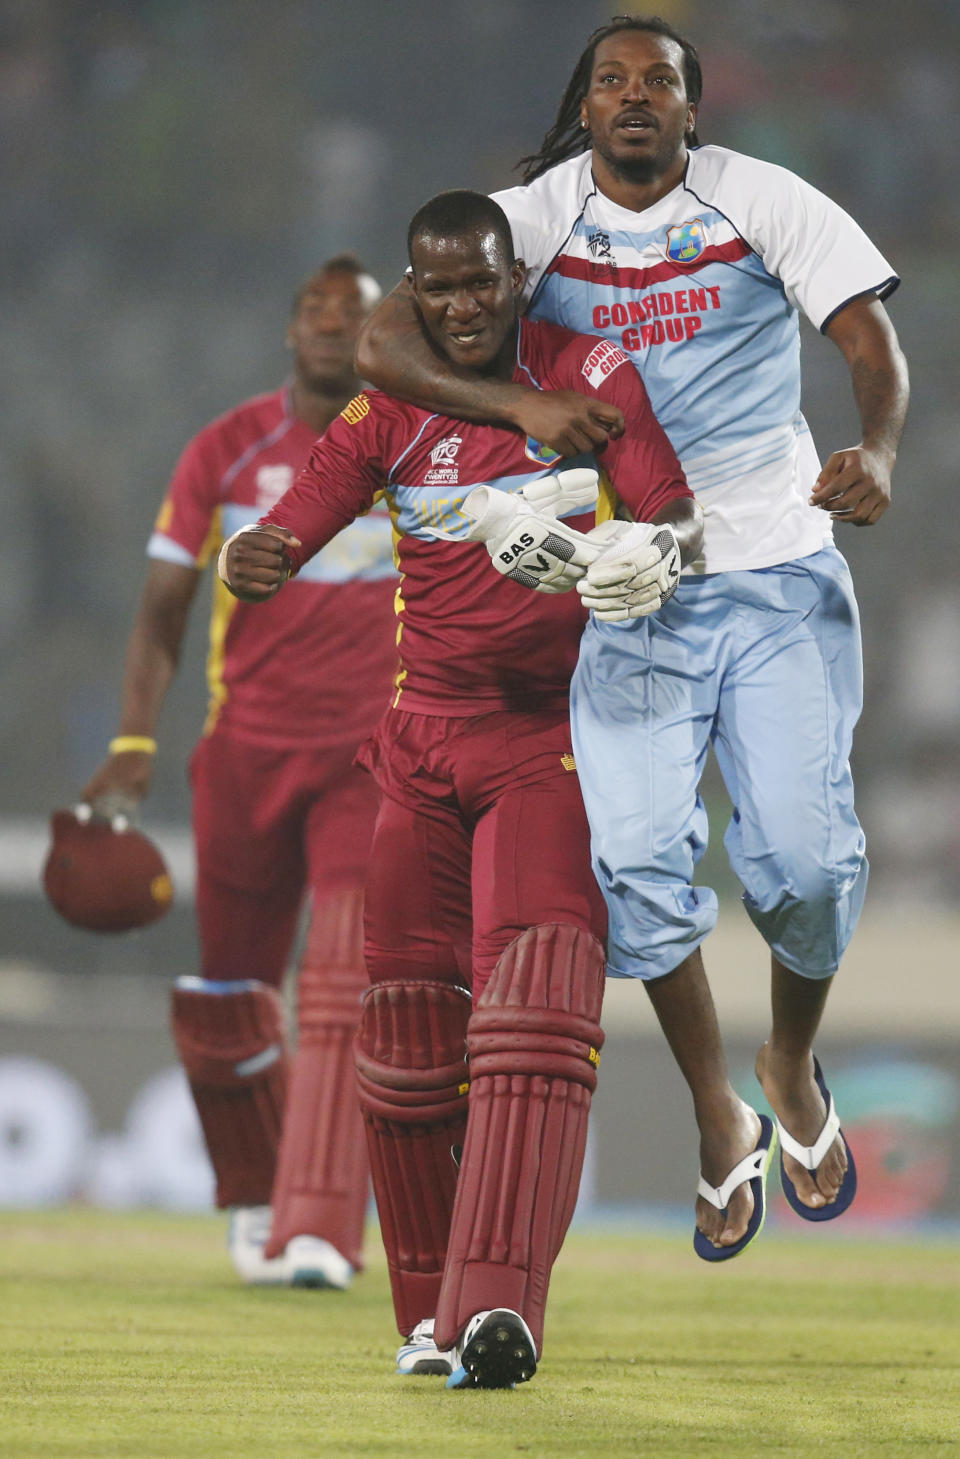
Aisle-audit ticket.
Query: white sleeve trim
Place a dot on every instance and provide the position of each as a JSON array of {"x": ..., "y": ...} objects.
[
  {"x": 880, "y": 291},
  {"x": 166, "y": 550}
]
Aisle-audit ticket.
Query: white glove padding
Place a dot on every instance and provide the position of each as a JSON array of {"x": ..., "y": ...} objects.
[
  {"x": 635, "y": 573},
  {"x": 566, "y": 492},
  {"x": 526, "y": 542}
]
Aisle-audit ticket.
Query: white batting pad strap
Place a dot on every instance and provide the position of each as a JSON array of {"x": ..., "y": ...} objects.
[
  {"x": 748, "y": 1169},
  {"x": 222, "y": 559},
  {"x": 810, "y": 1156}
]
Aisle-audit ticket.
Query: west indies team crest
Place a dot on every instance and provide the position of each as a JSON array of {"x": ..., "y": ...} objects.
[
  {"x": 686, "y": 241},
  {"x": 543, "y": 455}
]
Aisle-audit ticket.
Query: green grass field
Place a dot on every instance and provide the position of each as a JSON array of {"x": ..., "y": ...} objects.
[{"x": 128, "y": 1335}]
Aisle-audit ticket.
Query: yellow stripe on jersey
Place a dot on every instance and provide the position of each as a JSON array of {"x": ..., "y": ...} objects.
[
  {"x": 607, "y": 499},
  {"x": 399, "y": 606},
  {"x": 213, "y": 541},
  {"x": 164, "y": 516},
  {"x": 223, "y": 607}
]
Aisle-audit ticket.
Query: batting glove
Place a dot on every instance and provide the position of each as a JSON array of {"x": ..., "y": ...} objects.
[
  {"x": 635, "y": 572},
  {"x": 525, "y": 540},
  {"x": 569, "y": 491}
]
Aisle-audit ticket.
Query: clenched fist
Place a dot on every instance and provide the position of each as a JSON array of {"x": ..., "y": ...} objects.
[{"x": 254, "y": 563}]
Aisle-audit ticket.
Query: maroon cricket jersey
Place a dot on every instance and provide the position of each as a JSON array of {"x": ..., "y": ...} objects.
[
  {"x": 315, "y": 666},
  {"x": 470, "y": 640}
]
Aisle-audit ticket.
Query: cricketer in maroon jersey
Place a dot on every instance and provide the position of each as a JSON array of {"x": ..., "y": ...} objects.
[
  {"x": 480, "y": 870},
  {"x": 289, "y": 675},
  {"x": 469, "y": 642},
  {"x": 278, "y": 808}
]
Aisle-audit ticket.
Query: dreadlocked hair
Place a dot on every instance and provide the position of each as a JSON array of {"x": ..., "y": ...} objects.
[{"x": 567, "y": 138}]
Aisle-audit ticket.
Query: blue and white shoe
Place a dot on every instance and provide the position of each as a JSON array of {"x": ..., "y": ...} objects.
[
  {"x": 307, "y": 1261},
  {"x": 420, "y": 1357},
  {"x": 495, "y": 1351}
]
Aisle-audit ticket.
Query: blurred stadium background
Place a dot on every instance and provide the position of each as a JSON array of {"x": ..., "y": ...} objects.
[{"x": 171, "y": 168}]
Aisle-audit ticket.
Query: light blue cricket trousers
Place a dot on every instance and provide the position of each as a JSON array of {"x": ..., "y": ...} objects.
[{"x": 766, "y": 665}]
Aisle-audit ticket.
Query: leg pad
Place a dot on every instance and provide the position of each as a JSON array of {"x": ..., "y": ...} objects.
[
  {"x": 323, "y": 1174},
  {"x": 230, "y": 1038},
  {"x": 534, "y": 1045},
  {"x": 413, "y": 1082}
]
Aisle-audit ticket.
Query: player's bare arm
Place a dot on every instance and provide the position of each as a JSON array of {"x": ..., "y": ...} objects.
[
  {"x": 153, "y": 652},
  {"x": 854, "y": 485},
  {"x": 395, "y": 354},
  {"x": 684, "y": 516},
  {"x": 254, "y": 564}
]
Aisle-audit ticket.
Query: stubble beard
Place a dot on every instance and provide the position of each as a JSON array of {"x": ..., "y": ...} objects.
[{"x": 641, "y": 170}]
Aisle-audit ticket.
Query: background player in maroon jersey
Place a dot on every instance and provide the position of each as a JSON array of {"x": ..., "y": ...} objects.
[
  {"x": 278, "y": 807},
  {"x": 480, "y": 873}
]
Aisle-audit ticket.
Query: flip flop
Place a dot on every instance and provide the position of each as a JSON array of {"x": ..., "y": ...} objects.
[
  {"x": 810, "y": 1157},
  {"x": 752, "y": 1168}
]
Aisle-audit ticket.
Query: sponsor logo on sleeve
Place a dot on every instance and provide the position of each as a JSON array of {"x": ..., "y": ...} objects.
[
  {"x": 354, "y": 413},
  {"x": 602, "y": 360}
]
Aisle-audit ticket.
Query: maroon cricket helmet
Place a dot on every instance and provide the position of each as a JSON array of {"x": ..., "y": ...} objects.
[{"x": 104, "y": 875}]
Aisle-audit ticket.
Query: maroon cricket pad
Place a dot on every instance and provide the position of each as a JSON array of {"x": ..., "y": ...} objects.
[
  {"x": 323, "y": 1172},
  {"x": 534, "y": 1044},
  {"x": 233, "y": 1049},
  {"x": 412, "y": 1077}
]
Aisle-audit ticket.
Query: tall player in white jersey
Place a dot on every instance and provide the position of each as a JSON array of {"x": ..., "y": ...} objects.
[{"x": 695, "y": 261}]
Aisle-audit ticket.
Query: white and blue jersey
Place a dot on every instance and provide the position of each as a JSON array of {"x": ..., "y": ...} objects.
[
  {"x": 702, "y": 290},
  {"x": 758, "y": 650}
]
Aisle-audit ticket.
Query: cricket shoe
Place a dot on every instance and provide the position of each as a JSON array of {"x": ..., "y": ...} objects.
[
  {"x": 420, "y": 1356},
  {"x": 495, "y": 1351},
  {"x": 306, "y": 1261}
]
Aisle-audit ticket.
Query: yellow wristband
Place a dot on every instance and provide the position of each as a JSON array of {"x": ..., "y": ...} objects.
[{"x": 126, "y": 743}]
